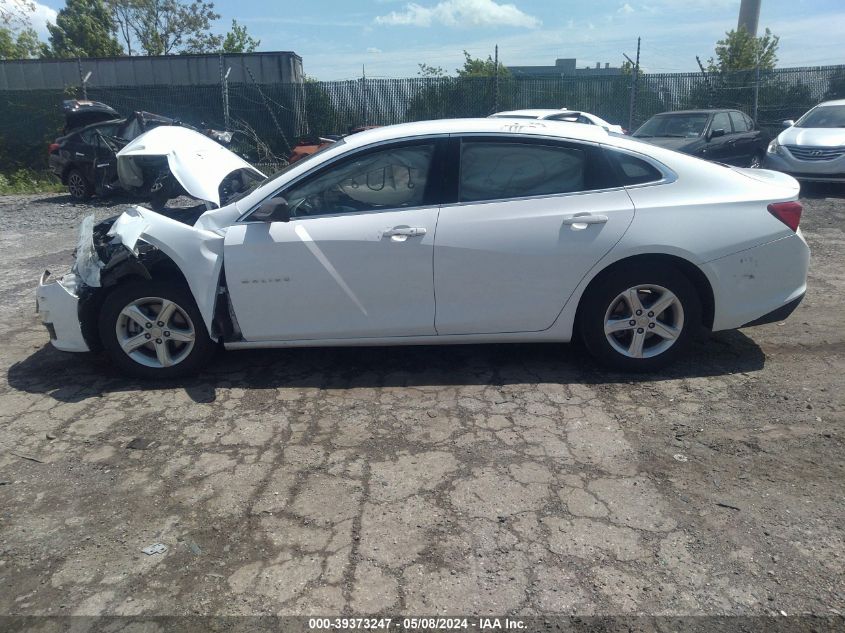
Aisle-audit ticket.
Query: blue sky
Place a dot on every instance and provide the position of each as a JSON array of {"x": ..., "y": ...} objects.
[{"x": 336, "y": 37}]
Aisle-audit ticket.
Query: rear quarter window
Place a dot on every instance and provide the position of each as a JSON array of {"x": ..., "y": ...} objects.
[{"x": 633, "y": 170}]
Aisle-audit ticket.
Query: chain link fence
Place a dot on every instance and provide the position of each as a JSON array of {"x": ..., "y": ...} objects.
[{"x": 270, "y": 118}]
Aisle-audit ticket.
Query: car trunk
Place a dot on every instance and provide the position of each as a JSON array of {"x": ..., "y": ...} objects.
[{"x": 78, "y": 114}]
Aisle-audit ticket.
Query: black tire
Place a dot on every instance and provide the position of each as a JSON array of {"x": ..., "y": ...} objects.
[
  {"x": 604, "y": 303},
  {"x": 756, "y": 161},
  {"x": 186, "y": 359},
  {"x": 78, "y": 186}
]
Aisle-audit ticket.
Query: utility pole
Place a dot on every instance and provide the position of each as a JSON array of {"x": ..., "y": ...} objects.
[
  {"x": 224, "y": 87},
  {"x": 496, "y": 81},
  {"x": 749, "y": 16},
  {"x": 632, "y": 105},
  {"x": 364, "y": 88},
  {"x": 706, "y": 80}
]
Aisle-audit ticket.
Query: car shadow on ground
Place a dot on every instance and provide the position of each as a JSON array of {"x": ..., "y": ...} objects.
[
  {"x": 820, "y": 190},
  {"x": 76, "y": 377}
]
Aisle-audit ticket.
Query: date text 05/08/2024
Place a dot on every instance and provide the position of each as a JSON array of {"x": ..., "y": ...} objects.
[{"x": 410, "y": 624}]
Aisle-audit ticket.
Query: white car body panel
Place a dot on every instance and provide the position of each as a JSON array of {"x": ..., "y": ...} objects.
[
  {"x": 196, "y": 161},
  {"x": 510, "y": 266},
  {"x": 511, "y": 270},
  {"x": 357, "y": 280},
  {"x": 546, "y": 114}
]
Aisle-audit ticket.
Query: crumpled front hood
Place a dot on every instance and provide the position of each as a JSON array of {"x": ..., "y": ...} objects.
[
  {"x": 197, "y": 162},
  {"x": 813, "y": 136}
]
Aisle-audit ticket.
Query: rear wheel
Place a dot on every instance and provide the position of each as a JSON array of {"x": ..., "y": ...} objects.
[
  {"x": 154, "y": 330},
  {"x": 640, "y": 319},
  {"x": 78, "y": 186}
]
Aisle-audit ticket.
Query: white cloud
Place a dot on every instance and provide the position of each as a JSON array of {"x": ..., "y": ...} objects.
[
  {"x": 37, "y": 19},
  {"x": 625, "y": 8},
  {"x": 460, "y": 13},
  {"x": 374, "y": 50}
]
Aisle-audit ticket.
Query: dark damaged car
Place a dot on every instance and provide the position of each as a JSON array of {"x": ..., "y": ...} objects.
[{"x": 85, "y": 156}]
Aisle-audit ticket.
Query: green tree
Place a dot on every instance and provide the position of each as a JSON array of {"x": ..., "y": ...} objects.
[
  {"x": 165, "y": 27},
  {"x": 740, "y": 50},
  {"x": 83, "y": 28},
  {"x": 239, "y": 41},
  {"x": 23, "y": 44},
  {"x": 477, "y": 67},
  {"x": 430, "y": 71}
]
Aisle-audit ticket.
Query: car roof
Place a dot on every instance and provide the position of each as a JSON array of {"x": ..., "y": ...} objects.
[
  {"x": 539, "y": 113},
  {"x": 699, "y": 111},
  {"x": 835, "y": 102},
  {"x": 562, "y": 129}
]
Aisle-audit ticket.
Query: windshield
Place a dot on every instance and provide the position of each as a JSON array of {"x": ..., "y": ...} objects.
[
  {"x": 823, "y": 116},
  {"x": 674, "y": 125},
  {"x": 260, "y": 183}
]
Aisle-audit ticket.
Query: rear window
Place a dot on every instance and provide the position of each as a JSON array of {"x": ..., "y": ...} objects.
[
  {"x": 635, "y": 171},
  {"x": 500, "y": 170},
  {"x": 739, "y": 122}
]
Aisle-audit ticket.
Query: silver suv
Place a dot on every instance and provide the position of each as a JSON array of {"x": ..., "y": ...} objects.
[{"x": 813, "y": 148}]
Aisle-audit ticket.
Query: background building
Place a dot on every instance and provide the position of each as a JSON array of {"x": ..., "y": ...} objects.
[
  {"x": 164, "y": 70},
  {"x": 564, "y": 68}
]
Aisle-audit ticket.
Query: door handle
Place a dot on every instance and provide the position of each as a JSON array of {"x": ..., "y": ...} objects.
[
  {"x": 585, "y": 218},
  {"x": 80, "y": 154},
  {"x": 404, "y": 231}
]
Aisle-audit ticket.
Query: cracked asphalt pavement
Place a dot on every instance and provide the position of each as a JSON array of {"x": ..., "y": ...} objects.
[{"x": 511, "y": 479}]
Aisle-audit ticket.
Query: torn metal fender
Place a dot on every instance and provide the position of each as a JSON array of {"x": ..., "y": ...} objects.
[
  {"x": 197, "y": 162},
  {"x": 197, "y": 252}
]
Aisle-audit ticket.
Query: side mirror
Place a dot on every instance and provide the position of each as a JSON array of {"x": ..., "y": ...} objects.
[
  {"x": 788, "y": 123},
  {"x": 272, "y": 210},
  {"x": 717, "y": 133}
]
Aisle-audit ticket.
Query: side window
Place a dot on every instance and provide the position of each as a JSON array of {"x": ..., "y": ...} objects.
[
  {"x": 721, "y": 122},
  {"x": 382, "y": 179},
  {"x": 492, "y": 170},
  {"x": 738, "y": 120},
  {"x": 634, "y": 170},
  {"x": 749, "y": 122}
]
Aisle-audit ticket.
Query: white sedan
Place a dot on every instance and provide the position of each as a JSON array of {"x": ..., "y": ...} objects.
[
  {"x": 564, "y": 114},
  {"x": 438, "y": 232}
]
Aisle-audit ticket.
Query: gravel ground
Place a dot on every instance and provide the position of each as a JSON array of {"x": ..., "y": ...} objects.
[{"x": 454, "y": 480}]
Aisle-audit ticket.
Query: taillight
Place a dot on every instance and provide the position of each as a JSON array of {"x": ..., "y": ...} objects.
[
  {"x": 787, "y": 212},
  {"x": 54, "y": 147}
]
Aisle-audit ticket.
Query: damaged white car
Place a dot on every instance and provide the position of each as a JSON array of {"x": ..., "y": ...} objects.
[{"x": 456, "y": 231}]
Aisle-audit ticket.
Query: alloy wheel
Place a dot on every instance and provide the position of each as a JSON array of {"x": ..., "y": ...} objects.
[
  {"x": 76, "y": 185},
  {"x": 644, "y": 321},
  {"x": 155, "y": 332}
]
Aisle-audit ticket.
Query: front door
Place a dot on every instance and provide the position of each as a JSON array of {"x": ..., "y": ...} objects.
[
  {"x": 355, "y": 259},
  {"x": 534, "y": 216}
]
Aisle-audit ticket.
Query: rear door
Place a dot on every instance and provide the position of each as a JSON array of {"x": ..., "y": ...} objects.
[
  {"x": 532, "y": 217},
  {"x": 721, "y": 148},
  {"x": 745, "y": 138}
]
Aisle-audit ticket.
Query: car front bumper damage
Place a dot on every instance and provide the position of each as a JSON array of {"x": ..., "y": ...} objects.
[{"x": 57, "y": 303}]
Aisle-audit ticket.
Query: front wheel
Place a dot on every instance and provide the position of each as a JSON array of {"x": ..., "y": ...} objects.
[
  {"x": 640, "y": 319},
  {"x": 153, "y": 329}
]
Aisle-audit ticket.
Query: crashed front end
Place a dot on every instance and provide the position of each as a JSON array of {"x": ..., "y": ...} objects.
[
  {"x": 57, "y": 299},
  {"x": 139, "y": 244}
]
